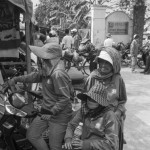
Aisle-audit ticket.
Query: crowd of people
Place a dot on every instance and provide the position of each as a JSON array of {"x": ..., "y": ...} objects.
[{"x": 103, "y": 97}]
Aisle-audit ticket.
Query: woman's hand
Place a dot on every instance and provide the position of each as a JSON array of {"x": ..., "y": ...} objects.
[
  {"x": 77, "y": 144},
  {"x": 68, "y": 143}
]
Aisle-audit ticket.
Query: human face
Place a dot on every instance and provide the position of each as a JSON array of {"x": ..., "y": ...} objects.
[
  {"x": 104, "y": 67},
  {"x": 46, "y": 65},
  {"x": 91, "y": 103}
]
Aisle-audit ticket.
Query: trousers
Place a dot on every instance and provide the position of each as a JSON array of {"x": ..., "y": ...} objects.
[
  {"x": 56, "y": 134},
  {"x": 133, "y": 62}
]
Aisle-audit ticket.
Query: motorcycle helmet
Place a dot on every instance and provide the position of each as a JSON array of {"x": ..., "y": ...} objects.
[{"x": 17, "y": 100}]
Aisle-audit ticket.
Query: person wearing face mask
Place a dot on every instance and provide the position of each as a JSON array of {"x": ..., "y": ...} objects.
[
  {"x": 100, "y": 126},
  {"x": 57, "y": 92},
  {"x": 108, "y": 73}
]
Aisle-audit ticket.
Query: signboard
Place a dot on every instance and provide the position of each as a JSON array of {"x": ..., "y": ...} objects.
[{"x": 118, "y": 28}]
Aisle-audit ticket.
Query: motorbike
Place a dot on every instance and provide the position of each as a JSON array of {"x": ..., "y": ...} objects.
[
  {"x": 142, "y": 56},
  {"x": 14, "y": 109}
]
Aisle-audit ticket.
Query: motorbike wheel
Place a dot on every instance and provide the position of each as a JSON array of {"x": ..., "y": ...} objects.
[{"x": 140, "y": 64}]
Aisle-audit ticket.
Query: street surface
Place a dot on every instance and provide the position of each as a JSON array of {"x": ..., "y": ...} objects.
[{"x": 137, "y": 123}]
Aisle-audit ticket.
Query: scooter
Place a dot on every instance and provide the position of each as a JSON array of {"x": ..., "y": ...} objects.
[{"x": 13, "y": 108}]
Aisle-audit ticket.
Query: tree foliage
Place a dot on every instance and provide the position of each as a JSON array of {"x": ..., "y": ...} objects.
[
  {"x": 139, "y": 9},
  {"x": 73, "y": 12}
]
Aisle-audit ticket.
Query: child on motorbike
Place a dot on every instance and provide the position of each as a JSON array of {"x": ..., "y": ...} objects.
[{"x": 100, "y": 127}]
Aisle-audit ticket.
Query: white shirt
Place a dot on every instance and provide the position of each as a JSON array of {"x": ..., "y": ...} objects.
[
  {"x": 67, "y": 41},
  {"x": 108, "y": 42}
]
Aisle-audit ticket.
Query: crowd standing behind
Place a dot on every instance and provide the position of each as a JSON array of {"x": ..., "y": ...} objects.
[
  {"x": 134, "y": 48},
  {"x": 67, "y": 41},
  {"x": 109, "y": 41}
]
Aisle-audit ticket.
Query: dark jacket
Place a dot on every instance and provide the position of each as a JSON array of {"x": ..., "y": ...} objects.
[
  {"x": 115, "y": 83},
  {"x": 98, "y": 133},
  {"x": 56, "y": 90}
]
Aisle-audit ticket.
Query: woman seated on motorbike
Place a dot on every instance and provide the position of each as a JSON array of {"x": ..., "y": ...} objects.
[
  {"x": 100, "y": 126},
  {"x": 108, "y": 73}
]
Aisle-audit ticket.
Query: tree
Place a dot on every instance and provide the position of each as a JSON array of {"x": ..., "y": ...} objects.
[
  {"x": 139, "y": 9},
  {"x": 73, "y": 12},
  {"x": 50, "y": 11}
]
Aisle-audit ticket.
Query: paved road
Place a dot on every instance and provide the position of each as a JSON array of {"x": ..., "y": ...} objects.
[{"x": 137, "y": 124}]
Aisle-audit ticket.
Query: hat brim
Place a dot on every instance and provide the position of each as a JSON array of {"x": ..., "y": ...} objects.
[
  {"x": 83, "y": 97},
  {"x": 42, "y": 52}
]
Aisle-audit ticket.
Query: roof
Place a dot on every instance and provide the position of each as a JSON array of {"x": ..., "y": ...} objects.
[{"x": 26, "y": 6}]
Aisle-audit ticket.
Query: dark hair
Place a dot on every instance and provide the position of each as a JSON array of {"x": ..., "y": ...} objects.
[
  {"x": 36, "y": 28},
  {"x": 67, "y": 31},
  {"x": 42, "y": 38},
  {"x": 136, "y": 36}
]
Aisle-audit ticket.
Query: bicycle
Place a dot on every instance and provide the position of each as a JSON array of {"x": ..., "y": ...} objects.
[{"x": 82, "y": 62}]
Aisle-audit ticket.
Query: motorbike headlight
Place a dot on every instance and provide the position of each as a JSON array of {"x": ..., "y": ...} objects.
[{"x": 10, "y": 109}]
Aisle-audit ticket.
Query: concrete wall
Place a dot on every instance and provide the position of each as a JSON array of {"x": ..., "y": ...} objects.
[
  {"x": 97, "y": 24},
  {"x": 119, "y": 16}
]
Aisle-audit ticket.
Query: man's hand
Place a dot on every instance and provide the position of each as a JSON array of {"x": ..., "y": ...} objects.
[
  {"x": 46, "y": 117},
  {"x": 68, "y": 143},
  {"x": 77, "y": 144},
  {"x": 10, "y": 83}
]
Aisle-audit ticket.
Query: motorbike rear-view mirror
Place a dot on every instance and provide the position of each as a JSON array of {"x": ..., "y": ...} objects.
[{"x": 17, "y": 100}]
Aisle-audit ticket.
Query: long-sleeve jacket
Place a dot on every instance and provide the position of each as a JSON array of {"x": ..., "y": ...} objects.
[
  {"x": 116, "y": 87},
  {"x": 99, "y": 133},
  {"x": 56, "y": 91}
]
